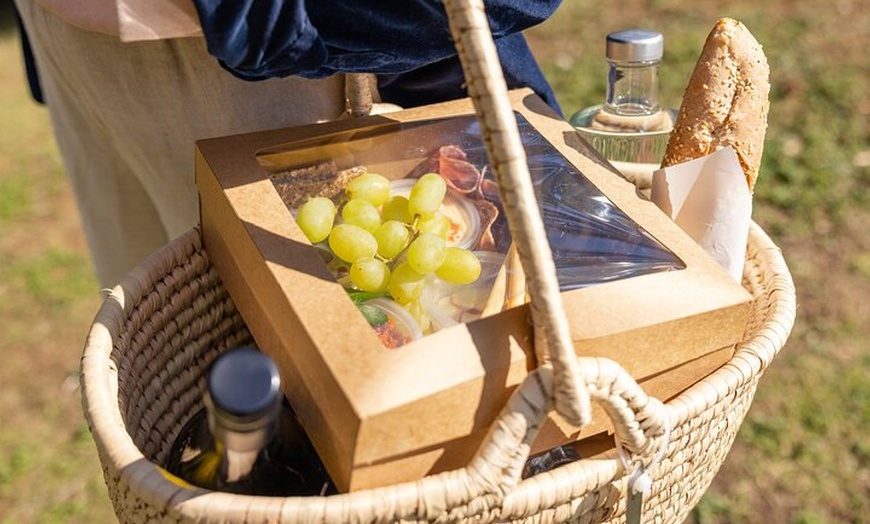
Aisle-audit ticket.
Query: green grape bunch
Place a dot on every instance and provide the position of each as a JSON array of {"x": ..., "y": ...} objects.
[{"x": 393, "y": 243}]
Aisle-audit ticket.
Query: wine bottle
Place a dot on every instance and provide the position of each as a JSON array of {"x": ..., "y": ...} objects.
[{"x": 247, "y": 439}]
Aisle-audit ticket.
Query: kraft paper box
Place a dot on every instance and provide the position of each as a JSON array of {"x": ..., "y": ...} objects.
[{"x": 636, "y": 289}]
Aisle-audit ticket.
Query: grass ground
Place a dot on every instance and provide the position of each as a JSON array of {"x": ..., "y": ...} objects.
[
  {"x": 802, "y": 456},
  {"x": 48, "y": 297}
]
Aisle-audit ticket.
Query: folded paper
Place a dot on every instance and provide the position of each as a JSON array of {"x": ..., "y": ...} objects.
[{"x": 709, "y": 199}]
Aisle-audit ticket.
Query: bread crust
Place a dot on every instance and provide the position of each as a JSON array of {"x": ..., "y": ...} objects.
[
  {"x": 726, "y": 101},
  {"x": 296, "y": 186}
]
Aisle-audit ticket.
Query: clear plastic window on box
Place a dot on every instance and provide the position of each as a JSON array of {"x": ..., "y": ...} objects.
[{"x": 592, "y": 240}]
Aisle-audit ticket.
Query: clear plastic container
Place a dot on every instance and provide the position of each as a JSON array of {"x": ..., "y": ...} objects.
[
  {"x": 449, "y": 304},
  {"x": 592, "y": 240},
  {"x": 400, "y": 328}
]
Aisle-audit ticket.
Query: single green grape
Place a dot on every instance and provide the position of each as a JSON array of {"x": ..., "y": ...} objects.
[
  {"x": 316, "y": 218},
  {"x": 426, "y": 253},
  {"x": 427, "y": 194},
  {"x": 350, "y": 243},
  {"x": 460, "y": 266},
  {"x": 361, "y": 213},
  {"x": 372, "y": 187},
  {"x": 370, "y": 274},
  {"x": 396, "y": 208},
  {"x": 437, "y": 223},
  {"x": 405, "y": 283},
  {"x": 393, "y": 237}
]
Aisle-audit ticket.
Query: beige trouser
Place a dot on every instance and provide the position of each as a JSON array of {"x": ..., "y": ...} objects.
[{"x": 126, "y": 116}]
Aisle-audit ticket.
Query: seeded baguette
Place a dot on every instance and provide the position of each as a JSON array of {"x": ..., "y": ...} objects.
[{"x": 726, "y": 101}]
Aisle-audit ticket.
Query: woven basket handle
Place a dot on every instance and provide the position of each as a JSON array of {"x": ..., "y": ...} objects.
[
  {"x": 562, "y": 377},
  {"x": 359, "y": 94},
  {"x": 573, "y": 381},
  {"x": 636, "y": 417},
  {"x": 488, "y": 91}
]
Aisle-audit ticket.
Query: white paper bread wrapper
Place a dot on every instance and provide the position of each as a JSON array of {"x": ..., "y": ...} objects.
[{"x": 709, "y": 199}]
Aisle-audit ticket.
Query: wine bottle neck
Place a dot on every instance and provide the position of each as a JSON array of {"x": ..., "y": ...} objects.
[{"x": 240, "y": 448}]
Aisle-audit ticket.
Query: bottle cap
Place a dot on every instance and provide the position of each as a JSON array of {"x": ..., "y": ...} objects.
[
  {"x": 244, "y": 386},
  {"x": 635, "y": 45}
]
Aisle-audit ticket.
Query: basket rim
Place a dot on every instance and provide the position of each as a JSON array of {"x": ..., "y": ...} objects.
[{"x": 117, "y": 451}]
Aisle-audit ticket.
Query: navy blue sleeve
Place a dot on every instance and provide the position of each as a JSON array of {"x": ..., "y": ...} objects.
[
  {"x": 258, "y": 39},
  {"x": 444, "y": 80}
]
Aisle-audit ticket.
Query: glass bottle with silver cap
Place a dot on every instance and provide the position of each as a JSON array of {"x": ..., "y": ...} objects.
[{"x": 630, "y": 129}]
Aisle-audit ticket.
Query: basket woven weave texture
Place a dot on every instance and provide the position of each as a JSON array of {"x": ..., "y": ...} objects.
[
  {"x": 155, "y": 335},
  {"x": 158, "y": 331}
]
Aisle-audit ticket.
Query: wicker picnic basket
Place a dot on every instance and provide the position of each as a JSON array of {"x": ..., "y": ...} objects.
[{"x": 157, "y": 332}]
